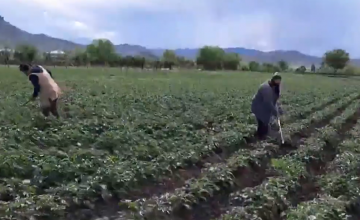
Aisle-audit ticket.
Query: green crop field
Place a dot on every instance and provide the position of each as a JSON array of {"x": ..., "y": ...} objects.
[{"x": 147, "y": 145}]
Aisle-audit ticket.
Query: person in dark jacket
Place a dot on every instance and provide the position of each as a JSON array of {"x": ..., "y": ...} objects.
[{"x": 264, "y": 105}]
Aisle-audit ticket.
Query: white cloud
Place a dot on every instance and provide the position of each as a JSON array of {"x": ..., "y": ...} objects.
[
  {"x": 80, "y": 29},
  {"x": 70, "y": 17},
  {"x": 254, "y": 31},
  {"x": 310, "y": 26},
  {"x": 85, "y": 18},
  {"x": 80, "y": 8},
  {"x": 77, "y": 28},
  {"x": 71, "y": 6},
  {"x": 84, "y": 30},
  {"x": 80, "y": 17}
]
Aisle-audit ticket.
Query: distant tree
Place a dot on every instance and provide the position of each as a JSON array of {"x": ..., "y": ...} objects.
[
  {"x": 254, "y": 66},
  {"x": 157, "y": 64},
  {"x": 101, "y": 51},
  {"x": 47, "y": 58},
  {"x": 116, "y": 61},
  {"x": 128, "y": 61},
  {"x": 231, "y": 61},
  {"x": 5, "y": 55},
  {"x": 169, "y": 55},
  {"x": 269, "y": 67},
  {"x": 283, "y": 65},
  {"x": 322, "y": 65},
  {"x": 313, "y": 68},
  {"x": 78, "y": 57},
  {"x": 245, "y": 68},
  {"x": 336, "y": 59},
  {"x": 169, "y": 58},
  {"x": 25, "y": 53},
  {"x": 67, "y": 58},
  {"x": 210, "y": 58},
  {"x": 301, "y": 69},
  {"x": 183, "y": 62},
  {"x": 139, "y": 62}
]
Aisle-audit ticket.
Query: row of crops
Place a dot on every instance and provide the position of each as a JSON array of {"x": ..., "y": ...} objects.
[
  {"x": 319, "y": 179},
  {"x": 179, "y": 152},
  {"x": 267, "y": 179}
]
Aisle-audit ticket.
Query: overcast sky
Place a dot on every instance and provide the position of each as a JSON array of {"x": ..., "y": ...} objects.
[{"x": 309, "y": 26}]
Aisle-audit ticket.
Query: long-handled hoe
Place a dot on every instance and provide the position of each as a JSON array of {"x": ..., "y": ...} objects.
[
  {"x": 281, "y": 134},
  {"x": 25, "y": 103}
]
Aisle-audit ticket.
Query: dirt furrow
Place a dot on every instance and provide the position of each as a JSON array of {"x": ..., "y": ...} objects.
[
  {"x": 316, "y": 167},
  {"x": 221, "y": 154},
  {"x": 337, "y": 177},
  {"x": 313, "y": 110},
  {"x": 219, "y": 203}
]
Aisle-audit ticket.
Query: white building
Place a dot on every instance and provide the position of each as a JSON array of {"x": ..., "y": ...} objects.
[
  {"x": 56, "y": 53},
  {"x": 8, "y": 50}
]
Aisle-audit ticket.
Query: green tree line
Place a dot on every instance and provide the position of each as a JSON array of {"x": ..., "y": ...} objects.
[{"x": 102, "y": 53}]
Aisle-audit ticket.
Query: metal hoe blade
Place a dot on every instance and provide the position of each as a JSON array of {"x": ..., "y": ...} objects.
[
  {"x": 25, "y": 103},
  {"x": 281, "y": 134}
]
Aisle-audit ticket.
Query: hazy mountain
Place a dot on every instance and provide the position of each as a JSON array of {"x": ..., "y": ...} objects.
[
  {"x": 133, "y": 50},
  {"x": 11, "y": 36},
  {"x": 82, "y": 40}
]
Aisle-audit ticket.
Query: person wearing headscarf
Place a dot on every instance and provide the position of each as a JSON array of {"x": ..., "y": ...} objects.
[{"x": 45, "y": 88}]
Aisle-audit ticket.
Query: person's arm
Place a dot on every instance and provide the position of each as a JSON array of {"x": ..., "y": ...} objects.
[
  {"x": 277, "y": 90},
  {"x": 35, "y": 81},
  {"x": 279, "y": 108},
  {"x": 267, "y": 95}
]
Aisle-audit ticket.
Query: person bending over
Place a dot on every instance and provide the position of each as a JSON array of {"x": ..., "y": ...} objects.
[{"x": 45, "y": 88}]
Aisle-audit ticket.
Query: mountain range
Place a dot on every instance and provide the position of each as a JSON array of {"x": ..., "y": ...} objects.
[{"x": 11, "y": 36}]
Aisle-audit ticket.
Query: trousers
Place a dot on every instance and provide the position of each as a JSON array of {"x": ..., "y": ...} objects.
[
  {"x": 49, "y": 107},
  {"x": 262, "y": 129}
]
